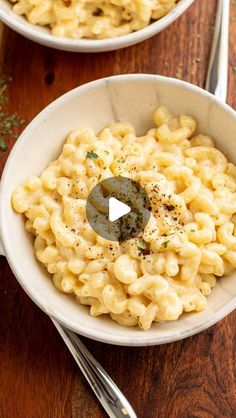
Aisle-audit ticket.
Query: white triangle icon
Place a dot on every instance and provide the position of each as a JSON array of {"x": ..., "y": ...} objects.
[{"x": 117, "y": 209}]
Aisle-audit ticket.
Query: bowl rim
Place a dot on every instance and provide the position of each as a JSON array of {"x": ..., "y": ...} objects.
[
  {"x": 80, "y": 45},
  {"x": 145, "y": 339}
]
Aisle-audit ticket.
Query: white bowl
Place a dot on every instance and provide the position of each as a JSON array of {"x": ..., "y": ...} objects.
[
  {"x": 127, "y": 97},
  {"x": 43, "y": 36}
]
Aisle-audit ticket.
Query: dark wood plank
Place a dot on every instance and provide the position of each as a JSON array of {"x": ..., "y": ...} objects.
[{"x": 38, "y": 378}]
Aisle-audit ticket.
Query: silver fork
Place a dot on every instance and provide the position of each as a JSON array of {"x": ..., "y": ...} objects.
[
  {"x": 217, "y": 74},
  {"x": 111, "y": 398}
]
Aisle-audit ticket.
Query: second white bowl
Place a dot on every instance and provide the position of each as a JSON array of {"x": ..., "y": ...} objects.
[{"x": 43, "y": 36}]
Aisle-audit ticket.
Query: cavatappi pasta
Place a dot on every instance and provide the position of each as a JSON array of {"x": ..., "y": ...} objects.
[
  {"x": 190, "y": 239},
  {"x": 96, "y": 19}
]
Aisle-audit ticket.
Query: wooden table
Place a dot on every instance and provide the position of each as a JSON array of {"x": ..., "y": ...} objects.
[{"x": 38, "y": 377}]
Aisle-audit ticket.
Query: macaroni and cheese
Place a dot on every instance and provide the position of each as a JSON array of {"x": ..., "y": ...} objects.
[
  {"x": 189, "y": 241},
  {"x": 96, "y": 19}
]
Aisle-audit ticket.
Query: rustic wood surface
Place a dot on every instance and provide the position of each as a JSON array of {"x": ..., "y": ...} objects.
[{"x": 38, "y": 377}]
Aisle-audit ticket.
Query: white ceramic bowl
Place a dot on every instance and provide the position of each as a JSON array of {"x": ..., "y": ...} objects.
[
  {"x": 128, "y": 97},
  {"x": 43, "y": 36}
]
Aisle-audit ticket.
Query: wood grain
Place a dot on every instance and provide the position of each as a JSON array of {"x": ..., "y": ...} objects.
[{"x": 194, "y": 378}]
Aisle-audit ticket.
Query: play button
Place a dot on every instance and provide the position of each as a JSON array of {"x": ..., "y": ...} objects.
[{"x": 118, "y": 209}]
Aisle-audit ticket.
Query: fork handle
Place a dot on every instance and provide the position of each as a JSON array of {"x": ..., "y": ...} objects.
[
  {"x": 217, "y": 75},
  {"x": 110, "y": 396}
]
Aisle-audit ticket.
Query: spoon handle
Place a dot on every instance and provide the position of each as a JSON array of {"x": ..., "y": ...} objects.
[
  {"x": 217, "y": 75},
  {"x": 110, "y": 396}
]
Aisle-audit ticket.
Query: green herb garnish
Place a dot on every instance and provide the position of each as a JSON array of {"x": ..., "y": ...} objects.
[
  {"x": 9, "y": 123},
  {"x": 3, "y": 146},
  {"x": 142, "y": 245},
  {"x": 165, "y": 243},
  {"x": 106, "y": 152},
  {"x": 91, "y": 155},
  {"x": 121, "y": 160}
]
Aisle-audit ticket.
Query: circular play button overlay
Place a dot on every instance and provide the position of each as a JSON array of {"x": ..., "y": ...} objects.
[{"x": 118, "y": 209}]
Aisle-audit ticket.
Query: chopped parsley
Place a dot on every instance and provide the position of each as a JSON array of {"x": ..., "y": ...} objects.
[
  {"x": 142, "y": 245},
  {"x": 121, "y": 160},
  {"x": 91, "y": 155},
  {"x": 9, "y": 123},
  {"x": 3, "y": 146},
  {"x": 165, "y": 243},
  {"x": 106, "y": 152}
]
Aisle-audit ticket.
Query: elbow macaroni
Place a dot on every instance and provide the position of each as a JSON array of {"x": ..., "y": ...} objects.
[
  {"x": 190, "y": 238},
  {"x": 95, "y": 19}
]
